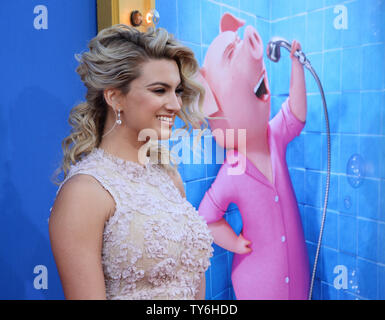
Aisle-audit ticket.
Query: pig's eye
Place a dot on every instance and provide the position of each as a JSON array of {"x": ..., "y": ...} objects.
[
  {"x": 230, "y": 50},
  {"x": 231, "y": 53}
]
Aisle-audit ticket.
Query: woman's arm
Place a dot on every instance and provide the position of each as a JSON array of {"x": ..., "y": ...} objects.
[{"x": 76, "y": 232}]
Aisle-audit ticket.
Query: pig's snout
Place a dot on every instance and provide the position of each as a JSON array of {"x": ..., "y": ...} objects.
[{"x": 253, "y": 43}]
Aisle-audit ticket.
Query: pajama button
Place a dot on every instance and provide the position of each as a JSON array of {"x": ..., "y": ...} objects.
[
  {"x": 287, "y": 279},
  {"x": 283, "y": 238},
  {"x": 276, "y": 198}
]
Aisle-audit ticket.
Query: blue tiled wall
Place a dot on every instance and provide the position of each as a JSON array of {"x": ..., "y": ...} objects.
[{"x": 350, "y": 64}]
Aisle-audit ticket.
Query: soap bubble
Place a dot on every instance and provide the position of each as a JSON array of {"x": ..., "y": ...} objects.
[
  {"x": 348, "y": 202},
  {"x": 355, "y": 170}
]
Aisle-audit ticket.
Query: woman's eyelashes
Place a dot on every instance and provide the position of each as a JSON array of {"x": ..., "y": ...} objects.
[
  {"x": 161, "y": 91},
  {"x": 179, "y": 91}
]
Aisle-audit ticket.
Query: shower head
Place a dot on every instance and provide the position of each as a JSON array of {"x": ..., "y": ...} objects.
[
  {"x": 273, "y": 48},
  {"x": 274, "y": 51}
]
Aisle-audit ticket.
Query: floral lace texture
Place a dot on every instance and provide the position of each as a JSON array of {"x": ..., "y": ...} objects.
[{"x": 155, "y": 246}]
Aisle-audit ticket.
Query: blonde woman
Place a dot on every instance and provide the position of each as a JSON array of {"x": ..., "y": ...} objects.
[{"x": 121, "y": 228}]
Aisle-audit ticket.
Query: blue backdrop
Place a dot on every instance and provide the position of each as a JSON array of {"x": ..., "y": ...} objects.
[{"x": 38, "y": 88}]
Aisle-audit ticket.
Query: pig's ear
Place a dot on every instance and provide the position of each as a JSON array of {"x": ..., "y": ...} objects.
[
  {"x": 210, "y": 105},
  {"x": 230, "y": 23}
]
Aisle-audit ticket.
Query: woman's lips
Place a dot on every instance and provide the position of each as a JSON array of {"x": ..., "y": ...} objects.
[{"x": 166, "y": 120}]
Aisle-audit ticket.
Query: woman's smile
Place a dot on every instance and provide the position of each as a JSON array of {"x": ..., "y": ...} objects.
[{"x": 168, "y": 120}]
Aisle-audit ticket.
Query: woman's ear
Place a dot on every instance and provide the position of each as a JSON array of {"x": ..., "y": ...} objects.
[{"x": 112, "y": 97}]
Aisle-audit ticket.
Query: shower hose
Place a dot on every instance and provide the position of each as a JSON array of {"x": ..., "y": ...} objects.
[
  {"x": 306, "y": 63},
  {"x": 274, "y": 55}
]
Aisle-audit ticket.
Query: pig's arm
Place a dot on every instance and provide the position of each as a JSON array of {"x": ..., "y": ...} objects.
[
  {"x": 297, "y": 101},
  {"x": 212, "y": 208},
  {"x": 225, "y": 237}
]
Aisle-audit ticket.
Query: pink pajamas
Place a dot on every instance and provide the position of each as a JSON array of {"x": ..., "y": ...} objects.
[{"x": 278, "y": 266}]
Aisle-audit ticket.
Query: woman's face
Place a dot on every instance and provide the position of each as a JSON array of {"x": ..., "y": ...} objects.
[{"x": 154, "y": 99}]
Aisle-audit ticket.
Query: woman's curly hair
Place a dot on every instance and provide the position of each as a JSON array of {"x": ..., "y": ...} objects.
[{"x": 114, "y": 60}]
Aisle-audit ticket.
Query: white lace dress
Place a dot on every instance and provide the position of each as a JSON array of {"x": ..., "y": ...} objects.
[{"x": 155, "y": 246}]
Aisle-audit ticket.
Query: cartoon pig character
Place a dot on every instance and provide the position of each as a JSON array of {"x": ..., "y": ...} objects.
[{"x": 270, "y": 260}]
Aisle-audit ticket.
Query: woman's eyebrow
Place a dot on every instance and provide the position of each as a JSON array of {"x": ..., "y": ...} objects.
[{"x": 162, "y": 84}]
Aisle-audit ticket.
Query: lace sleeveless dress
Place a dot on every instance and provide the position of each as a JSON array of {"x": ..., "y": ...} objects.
[{"x": 155, "y": 246}]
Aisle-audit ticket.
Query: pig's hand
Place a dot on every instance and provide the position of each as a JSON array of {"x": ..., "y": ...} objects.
[
  {"x": 242, "y": 244},
  {"x": 294, "y": 47},
  {"x": 297, "y": 101}
]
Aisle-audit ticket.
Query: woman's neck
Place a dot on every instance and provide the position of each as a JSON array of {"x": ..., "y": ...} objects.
[{"x": 124, "y": 145}]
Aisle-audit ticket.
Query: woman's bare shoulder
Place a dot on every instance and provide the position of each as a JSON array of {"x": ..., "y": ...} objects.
[{"x": 83, "y": 194}]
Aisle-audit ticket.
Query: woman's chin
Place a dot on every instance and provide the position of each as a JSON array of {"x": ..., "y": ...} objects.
[{"x": 165, "y": 134}]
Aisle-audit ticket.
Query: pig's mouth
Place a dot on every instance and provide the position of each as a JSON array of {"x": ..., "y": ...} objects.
[{"x": 260, "y": 90}]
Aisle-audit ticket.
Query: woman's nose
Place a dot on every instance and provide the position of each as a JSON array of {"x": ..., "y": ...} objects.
[{"x": 174, "y": 103}]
